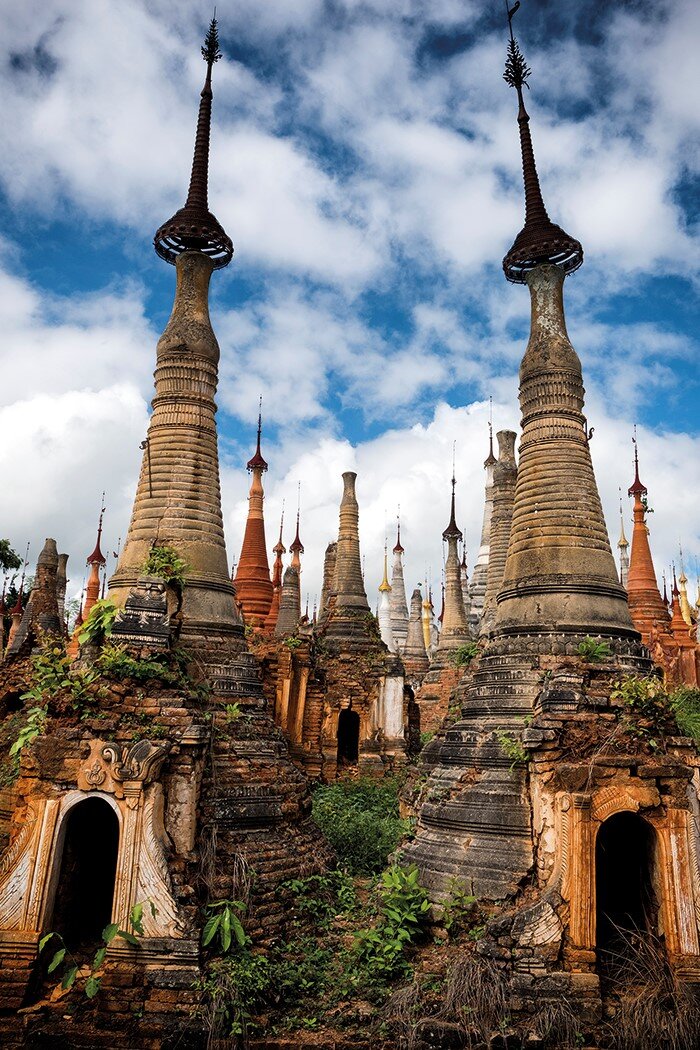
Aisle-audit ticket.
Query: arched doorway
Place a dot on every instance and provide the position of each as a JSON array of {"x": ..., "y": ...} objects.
[
  {"x": 348, "y": 737},
  {"x": 85, "y": 885},
  {"x": 626, "y": 905}
]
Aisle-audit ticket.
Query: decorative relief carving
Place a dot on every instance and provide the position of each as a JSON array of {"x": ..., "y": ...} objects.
[
  {"x": 616, "y": 799},
  {"x": 122, "y": 769}
]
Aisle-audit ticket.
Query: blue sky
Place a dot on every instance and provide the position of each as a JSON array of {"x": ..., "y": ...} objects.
[{"x": 365, "y": 163}]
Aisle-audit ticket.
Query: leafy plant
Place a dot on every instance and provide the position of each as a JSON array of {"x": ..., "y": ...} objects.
[
  {"x": 593, "y": 651},
  {"x": 115, "y": 661},
  {"x": 292, "y": 643},
  {"x": 53, "y": 672},
  {"x": 32, "y": 728},
  {"x": 322, "y": 897},
  {"x": 460, "y": 908},
  {"x": 166, "y": 564},
  {"x": 99, "y": 622},
  {"x": 685, "y": 704},
  {"x": 360, "y": 818},
  {"x": 403, "y": 908},
  {"x": 511, "y": 747},
  {"x": 224, "y": 925},
  {"x": 464, "y": 654},
  {"x": 72, "y": 966},
  {"x": 9, "y": 559}
]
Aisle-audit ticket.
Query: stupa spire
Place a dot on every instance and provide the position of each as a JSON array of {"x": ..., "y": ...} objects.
[
  {"x": 397, "y": 598},
  {"x": 384, "y": 609},
  {"x": 296, "y": 547},
  {"x": 178, "y": 499},
  {"x": 540, "y": 240},
  {"x": 194, "y": 228},
  {"x": 477, "y": 590},
  {"x": 648, "y": 609},
  {"x": 558, "y": 545},
  {"x": 96, "y": 561},
  {"x": 623, "y": 547},
  {"x": 254, "y": 588},
  {"x": 278, "y": 550}
]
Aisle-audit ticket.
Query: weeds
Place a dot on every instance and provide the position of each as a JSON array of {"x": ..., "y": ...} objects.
[
  {"x": 360, "y": 818},
  {"x": 593, "y": 651},
  {"x": 511, "y": 747}
]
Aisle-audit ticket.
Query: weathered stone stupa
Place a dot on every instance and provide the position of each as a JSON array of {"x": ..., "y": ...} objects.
[
  {"x": 505, "y": 473},
  {"x": 505, "y": 812},
  {"x": 477, "y": 590},
  {"x": 160, "y": 793},
  {"x": 397, "y": 597}
]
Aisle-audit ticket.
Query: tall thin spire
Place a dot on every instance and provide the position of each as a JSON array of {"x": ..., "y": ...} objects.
[
  {"x": 623, "y": 547},
  {"x": 540, "y": 240},
  {"x": 253, "y": 585},
  {"x": 397, "y": 598},
  {"x": 97, "y": 557},
  {"x": 194, "y": 228},
  {"x": 178, "y": 497},
  {"x": 296, "y": 547},
  {"x": 257, "y": 460}
]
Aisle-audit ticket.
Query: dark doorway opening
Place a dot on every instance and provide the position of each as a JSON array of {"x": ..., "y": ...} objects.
[
  {"x": 85, "y": 889},
  {"x": 626, "y": 905},
  {"x": 348, "y": 737}
]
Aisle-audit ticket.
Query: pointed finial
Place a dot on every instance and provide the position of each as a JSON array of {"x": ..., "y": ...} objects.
[
  {"x": 398, "y": 549},
  {"x": 540, "y": 240},
  {"x": 452, "y": 529},
  {"x": 663, "y": 577},
  {"x": 385, "y": 585},
  {"x": 279, "y": 548},
  {"x": 97, "y": 557},
  {"x": 17, "y": 609},
  {"x": 636, "y": 489},
  {"x": 297, "y": 547},
  {"x": 258, "y": 462},
  {"x": 622, "y": 542},
  {"x": 490, "y": 459},
  {"x": 194, "y": 228}
]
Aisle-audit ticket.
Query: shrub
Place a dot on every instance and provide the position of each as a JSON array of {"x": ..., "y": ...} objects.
[
  {"x": 685, "y": 704},
  {"x": 165, "y": 563},
  {"x": 593, "y": 651},
  {"x": 99, "y": 622},
  {"x": 115, "y": 662},
  {"x": 403, "y": 908},
  {"x": 464, "y": 654},
  {"x": 511, "y": 747},
  {"x": 360, "y": 819}
]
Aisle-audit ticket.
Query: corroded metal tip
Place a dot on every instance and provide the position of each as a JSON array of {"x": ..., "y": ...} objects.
[
  {"x": 194, "y": 228},
  {"x": 540, "y": 240}
]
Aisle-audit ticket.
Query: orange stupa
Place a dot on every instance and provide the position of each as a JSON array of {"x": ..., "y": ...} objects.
[
  {"x": 647, "y": 607},
  {"x": 278, "y": 550},
  {"x": 96, "y": 561},
  {"x": 253, "y": 583}
]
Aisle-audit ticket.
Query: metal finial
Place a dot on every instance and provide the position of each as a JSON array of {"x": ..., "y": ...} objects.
[
  {"x": 540, "y": 240},
  {"x": 194, "y": 228}
]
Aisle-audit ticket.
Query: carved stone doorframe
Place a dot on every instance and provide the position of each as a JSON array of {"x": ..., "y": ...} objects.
[
  {"x": 586, "y": 813},
  {"x": 121, "y": 775}
]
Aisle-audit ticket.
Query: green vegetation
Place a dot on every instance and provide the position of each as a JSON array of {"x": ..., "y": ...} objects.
[
  {"x": 360, "y": 818},
  {"x": 464, "y": 654},
  {"x": 98, "y": 625},
  {"x": 461, "y": 910},
  {"x": 292, "y": 642},
  {"x": 511, "y": 747},
  {"x": 224, "y": 925},
  {"x": 165, "y": 563},
  {"x": 652, "y": 711},
  {"x": 304, "y": 977},
  {"x": 72, "y": 966},
  {"x": 115, "y": 662},
  {"x": 9, "y": 559},
  {"x": 593, "y": 651},
  {"x": 403, "y": 909}
]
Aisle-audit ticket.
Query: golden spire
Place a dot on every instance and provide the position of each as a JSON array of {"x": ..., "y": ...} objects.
[{"x": 384, "y": 585}]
